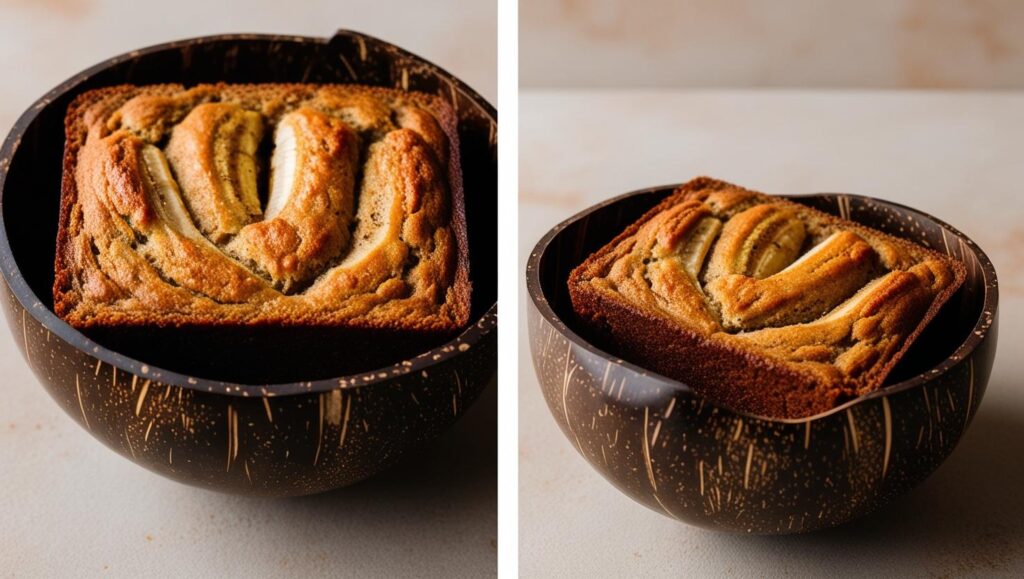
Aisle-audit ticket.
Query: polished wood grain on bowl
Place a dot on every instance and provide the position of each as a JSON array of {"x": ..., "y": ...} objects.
[
  {"x": 665, "y": 447},
  {"x": 270, "y": 412}
]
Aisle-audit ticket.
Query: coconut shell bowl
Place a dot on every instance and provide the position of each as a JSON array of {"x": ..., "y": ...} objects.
[
  {"x": 662, "y": 445},
  {"x": 262, "y": 411}
]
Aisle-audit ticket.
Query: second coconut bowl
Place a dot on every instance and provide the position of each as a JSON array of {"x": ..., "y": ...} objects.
[{"x": 662, "y": 445}]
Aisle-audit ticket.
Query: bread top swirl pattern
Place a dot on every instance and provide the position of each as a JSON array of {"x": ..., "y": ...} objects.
[
  {"x": 171, "y": 215},
  {"x": 828, "y": 298}
]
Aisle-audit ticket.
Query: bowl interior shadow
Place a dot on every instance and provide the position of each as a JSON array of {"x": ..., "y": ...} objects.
[
  {"x": 263, "y": 355},
  {"x": 581, "y": 237}
]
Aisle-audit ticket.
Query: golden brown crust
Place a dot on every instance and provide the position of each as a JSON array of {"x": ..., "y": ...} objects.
[
  {"x": 161, "y": 219},
  {"x": 710, "y": 287}
]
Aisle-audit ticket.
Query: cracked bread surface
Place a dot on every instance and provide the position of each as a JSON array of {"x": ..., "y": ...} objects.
[
  {"x": 264, "y": 204},
  {"x": 759, "y": 303}
]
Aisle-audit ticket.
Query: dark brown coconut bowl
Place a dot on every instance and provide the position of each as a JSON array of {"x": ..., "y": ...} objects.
[
  {"x": 268, "y": 412},
  {"x": 662, "y": 445}
]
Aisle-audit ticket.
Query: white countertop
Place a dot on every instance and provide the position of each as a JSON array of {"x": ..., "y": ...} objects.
[
  {"x": 71, "y": 507},
  {"x": 956, "y": 155}
]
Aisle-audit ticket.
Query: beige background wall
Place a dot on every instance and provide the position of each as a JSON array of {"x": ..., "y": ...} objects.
[
  {"x": 43, "y": 42},
  {"x": 801, "y": 43}
]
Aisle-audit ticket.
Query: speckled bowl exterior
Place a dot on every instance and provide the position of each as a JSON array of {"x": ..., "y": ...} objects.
[
  {"x": 663, "y": 446},
  {"x": 262, "y": 439}
]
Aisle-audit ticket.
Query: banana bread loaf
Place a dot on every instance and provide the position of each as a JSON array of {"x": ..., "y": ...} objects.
[
  {"x": 761, "y": 304},
  {"x": 245, "y": 205}
]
